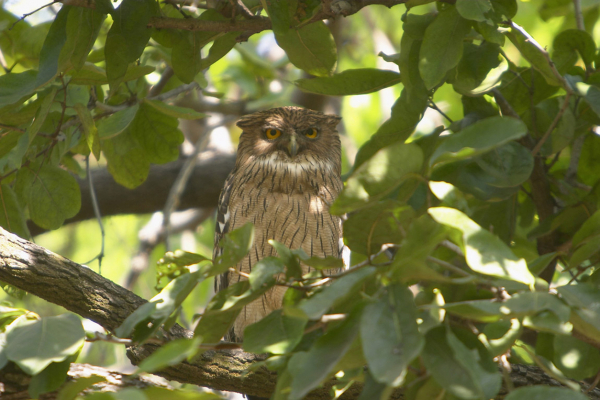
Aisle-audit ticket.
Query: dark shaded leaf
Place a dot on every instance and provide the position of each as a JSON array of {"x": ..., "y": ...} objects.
[
  {"x": 442, "y": 46},
  {"x": 53, "y": 197},
  {"x": 390, "y": 336}
]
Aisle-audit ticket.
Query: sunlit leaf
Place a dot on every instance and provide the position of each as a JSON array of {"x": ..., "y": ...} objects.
[
  {"x": 484, "y": 252},
  {"x": 55, "y": 338}
]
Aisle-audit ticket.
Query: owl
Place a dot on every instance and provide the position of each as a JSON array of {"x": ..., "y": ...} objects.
[{"x": 287, "y": 174}]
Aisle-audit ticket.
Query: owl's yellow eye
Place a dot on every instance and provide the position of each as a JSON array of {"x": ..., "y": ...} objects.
[
  {"x": 272, "y": 134},
  {"x": 311, "y": 133}
]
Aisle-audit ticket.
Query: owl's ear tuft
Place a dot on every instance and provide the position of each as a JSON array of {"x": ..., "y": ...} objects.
[{"x": 333, "y": 121}]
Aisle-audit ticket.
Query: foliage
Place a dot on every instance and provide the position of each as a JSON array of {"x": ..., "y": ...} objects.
[{"x": 463, "y": 232}]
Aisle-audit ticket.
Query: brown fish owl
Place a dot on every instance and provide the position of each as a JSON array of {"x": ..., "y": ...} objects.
[{"x": 286, "y": 175}]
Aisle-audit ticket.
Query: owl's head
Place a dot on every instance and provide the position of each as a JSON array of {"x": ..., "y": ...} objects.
[{"x": 290, "y": 135}]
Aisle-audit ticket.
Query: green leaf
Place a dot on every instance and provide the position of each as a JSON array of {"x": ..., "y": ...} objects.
[
  {"x": 570, "y": 42},
  {"x": 151, "y": 137},
  {"x": 264, "y": 271},
  {"x": 543, "y": 393},
  {"x": 224, "y": 308},
  {"x": 174, "y": 111},
  {"x": 478, "y": 310},
  {"x": 318, "y": 304},
  {"x": 584, "y": 299},
  {"x": 181, "y": 258},
  {"x": 378, "y": 176},
  {"x": 576, "y": 359},
  {"x": 11, "y": 213},
  {"x": 281, "y": 13},
  {"x": 510, "y": 165},
  {"x": 585, "y": 252},
  {"x": 532, "y": 52},
  {"x": 171, "y": 353},
  {"x": 51, "y": 378},
  {"x": 289, "y": 258},
  {"x": 55, "y": 339},
  {"x": 90, "y": 74},
  {"x": 589, "y": 229},
  {"x": 473, "y": 9},
  {"x": 116, "y": 123},
  {"x": 366, "y": 230},
  {"x": 186, "y": 57},
  {"x": 500, "y": 336},
  {"x": 52, "y": 48},
  {"x": 89, "y": 128},
  {"x": 72, "y": 389},
  {"x": 310, "y": 48},
  {"x": 236, "y": 244},
  {"x": 310, "y": 368},
  {"x": 442, "y": 46},
  {"x": 16, "y": 154},
  {"x": 462, "y": 370},
  {"x": 390, "y": 335},
  {"x": 16, "y": 86},
  {"x": 478, "y": 138},
  {"x": 373, "y": 390},
  {"x": 127, "y": 37},
  {"x": 590, "y": 93},
  {"x": 157, "y": 133},
  {"x": 146, "y": 319},
  {"x": 82, "y": 27},
  {"x": 480, "y": 69},
  {"x": 276, "y": 333},
  {"x": 485, "y": 253},
  {"x": 470, "y": 178},
  {"x": 53, "y": 197},
  {"x": 219, "y": 49},
  {"x": 127, "y": 162},
  {"x": 159, "y": 393},
  {"x": 350, "y": 82}
]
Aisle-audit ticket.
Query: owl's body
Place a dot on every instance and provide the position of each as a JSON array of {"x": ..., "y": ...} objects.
[{"x": 283, "y": 182}]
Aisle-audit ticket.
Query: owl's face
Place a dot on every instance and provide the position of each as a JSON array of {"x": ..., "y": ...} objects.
[{"x": 290, "y": 135}]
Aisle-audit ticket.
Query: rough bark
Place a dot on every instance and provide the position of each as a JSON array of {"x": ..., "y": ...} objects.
[
  {"x": 84, "y": 292},
  {"x": 202, "y": 189}
]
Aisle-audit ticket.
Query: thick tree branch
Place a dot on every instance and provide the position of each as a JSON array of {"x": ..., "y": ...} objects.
[
  {"x": 82, "y": 291},
  {"x": 16, "y": 382},
  {"x": 202, "y": 189}
]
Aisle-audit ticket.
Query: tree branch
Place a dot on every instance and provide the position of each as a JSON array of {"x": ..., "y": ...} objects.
[{"x": 202, "y": 190}]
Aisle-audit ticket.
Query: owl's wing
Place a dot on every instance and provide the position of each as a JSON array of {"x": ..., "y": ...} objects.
[{"x": 222, "y": 227}]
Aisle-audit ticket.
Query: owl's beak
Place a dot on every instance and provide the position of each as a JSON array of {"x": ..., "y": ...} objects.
[{"x": 292, "y": 146}]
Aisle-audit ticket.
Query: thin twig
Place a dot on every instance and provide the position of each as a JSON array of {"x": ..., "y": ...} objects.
[
  {"x": 562, "y": 110},
  {"x": 544, "y": 53},
  {"x": 436, "y": 108},
  {"x": 593, "y": 384},
  {"x": 160, "y": 85},
  {"x": 33, "y": 12},
  {"x": 100, "y": 256},
  {"x": 448, "y": 266},
  {"x": 578, "y": 15},
  {"x": 183, "y": 177}
]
